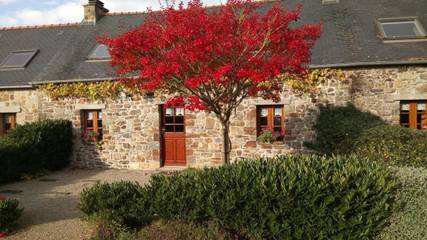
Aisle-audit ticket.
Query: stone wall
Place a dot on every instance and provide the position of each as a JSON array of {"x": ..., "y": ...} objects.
[
  {"x": 130, "y": 129},
  {"x": 131, "y": 125},
  {"x": 22, "y": 102},
  {"x": 380, "y": 90}
]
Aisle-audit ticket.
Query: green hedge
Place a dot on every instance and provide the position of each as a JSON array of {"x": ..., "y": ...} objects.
[
  {"x": 34, "y": 147},
  {"x": 338, "y": 127},
  {"x": 9, "y": 214},
  {"x": 292, "y": 197},
  {"x": 116, "y": 201},
  {"x": 410, "y": 222},
  {"x": 394, "y": 145}
]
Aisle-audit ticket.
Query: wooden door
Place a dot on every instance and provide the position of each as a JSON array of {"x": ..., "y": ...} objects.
[{"x": 173, "y": 136}]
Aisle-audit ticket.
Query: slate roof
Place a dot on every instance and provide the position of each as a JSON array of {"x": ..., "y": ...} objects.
[{"x": 350, "y": 38}]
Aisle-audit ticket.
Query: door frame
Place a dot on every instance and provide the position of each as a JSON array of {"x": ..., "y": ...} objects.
[{"x": 162, "y": 137}]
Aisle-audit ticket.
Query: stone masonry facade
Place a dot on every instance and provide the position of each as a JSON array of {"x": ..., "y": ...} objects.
[{"x": 131, "y": 124}]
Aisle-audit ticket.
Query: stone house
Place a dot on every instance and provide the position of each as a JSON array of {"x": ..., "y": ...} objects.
[{"x": 380, "y": 46}]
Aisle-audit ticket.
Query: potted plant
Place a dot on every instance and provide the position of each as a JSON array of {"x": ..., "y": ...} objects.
[{"x": 269, "y": 136}]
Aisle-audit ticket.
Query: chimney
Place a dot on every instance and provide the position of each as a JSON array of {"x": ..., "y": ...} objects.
[{"x": 94, "y": 11}]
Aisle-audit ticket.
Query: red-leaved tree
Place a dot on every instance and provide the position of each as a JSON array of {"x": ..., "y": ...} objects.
[{"x": 213, "y": 58}]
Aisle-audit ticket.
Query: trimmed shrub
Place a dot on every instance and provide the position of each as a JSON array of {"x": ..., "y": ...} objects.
[
  {"x": 115, "y": 202},
  {"x": 411, "y": 219},
  {"x": 178, "y": 230},
  {"x": 338, "y": 127},
  {"x": 105, "y": 228},
  {"x": 9, "y": 214},
  {"x": 302, "y": 197},
  {"x": 35, "y": 147},
  {"x": 394, "y": 145}
]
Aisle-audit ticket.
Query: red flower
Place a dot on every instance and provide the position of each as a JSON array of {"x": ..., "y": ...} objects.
[{"x": 3, "y": 235}]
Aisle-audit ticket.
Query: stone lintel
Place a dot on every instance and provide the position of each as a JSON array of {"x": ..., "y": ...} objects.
[
  {"x": 90, "y": 106},
  {"x": 422, "y": 96},
  {"x": 9, "y": 108}
]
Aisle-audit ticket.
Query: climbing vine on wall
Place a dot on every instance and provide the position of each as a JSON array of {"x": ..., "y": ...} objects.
[
  {"x": 90, "y": 90},
  {"x": 313, "y": 80},
  {"x": 113, "y": 89}
]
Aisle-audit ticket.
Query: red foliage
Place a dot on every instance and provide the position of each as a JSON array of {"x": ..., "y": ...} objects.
[{"x": 215, "y": 57}]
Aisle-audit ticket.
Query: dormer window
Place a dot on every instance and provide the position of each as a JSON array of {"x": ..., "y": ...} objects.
[
  {"x": 18, "y": 59},
  {"x": 401, "y": 29},
  {"x": 100, "y": 53}
]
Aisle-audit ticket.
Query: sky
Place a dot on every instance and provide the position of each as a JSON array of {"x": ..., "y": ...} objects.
[{"x": 37, "y": 12}]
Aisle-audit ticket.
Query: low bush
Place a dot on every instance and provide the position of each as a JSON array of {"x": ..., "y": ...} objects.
[
  {"x": 115, "y": 202},
  {"x": 9, "y": 214},
  {"x": 292, "y": 197},
  {"x": 411, "y": 219},
  {"x": 106, "y": 228},
  {"x": 394, "y": 145},
  {"x": 304, "y": 197},
  {"x": 35, "y": 147},
  {"x": 338, "y": 127},
  {"x": 178, "y": 230}
]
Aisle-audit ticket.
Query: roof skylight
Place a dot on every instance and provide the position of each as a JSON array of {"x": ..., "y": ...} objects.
[
  {"x": 401, "y": 28},
  {"x": 326, "y": 2},
  {"x": 100, "y": 52},
  {"x": 18, "y": 59}
]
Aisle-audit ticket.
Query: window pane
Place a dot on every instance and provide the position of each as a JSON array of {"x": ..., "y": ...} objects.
[
  {"x": 277, "y": 121},
  {"x": 89, "y": 115},
  {"x": 278, "y": 111},
  {"x": 263, "y": 121},
  {"x": 179, "y": 119},
  {"x": 179, "y": 112},
  {"x": 179, "y": 128},
  {"x": 404, "y": 119},
  {"x": 8, "y": 118},
  {"x": 169, "y": 120},
  {"x": 89, "y": 119},
  {"x": 100, "y": 52},
  {"x": 421, "y": 106},
  {"x": 401, "y": 29},
  {"x": 264, "y": 112},
  {"x": 169, "y": 128},
  {"x": 404, "y": 107},
  {"x": 169, "y": 111},
  {"x": 99, "y": 115},
  {"x": 18, "y": 59}
]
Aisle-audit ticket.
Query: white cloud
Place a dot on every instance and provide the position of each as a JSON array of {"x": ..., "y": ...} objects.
[
  {"x": 68, "y": 12},
  {"x": 6, "y": 1},
  {"x": 72, "y": 11}
]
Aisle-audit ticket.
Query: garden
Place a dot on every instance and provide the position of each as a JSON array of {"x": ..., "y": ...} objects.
[
  {"x": 364, "y": 178},
  {"x": 376, "y": 190}
]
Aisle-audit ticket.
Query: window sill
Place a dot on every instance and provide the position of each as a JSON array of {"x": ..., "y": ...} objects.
[{"x": 270, "y": 143}]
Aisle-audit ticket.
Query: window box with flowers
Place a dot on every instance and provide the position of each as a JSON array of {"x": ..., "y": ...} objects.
[{"x": 270, "y": 124}]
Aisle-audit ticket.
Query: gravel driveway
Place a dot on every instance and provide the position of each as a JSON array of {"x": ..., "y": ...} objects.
[{"x": 50, "y": 203}]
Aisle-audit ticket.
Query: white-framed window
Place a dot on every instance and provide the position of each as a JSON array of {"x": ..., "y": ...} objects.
[
  {"x": 327, "y": 2},
  {"x": 408, "y": 28},
  {"x": 100, "y": 53},
  {"x": 18, "y": 59}
]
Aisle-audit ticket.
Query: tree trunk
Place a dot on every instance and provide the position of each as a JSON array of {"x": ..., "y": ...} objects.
[{"x": 227, "y": 141}]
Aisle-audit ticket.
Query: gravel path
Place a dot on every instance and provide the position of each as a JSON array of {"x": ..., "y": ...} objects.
[{"x": 50, "y": 203}]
